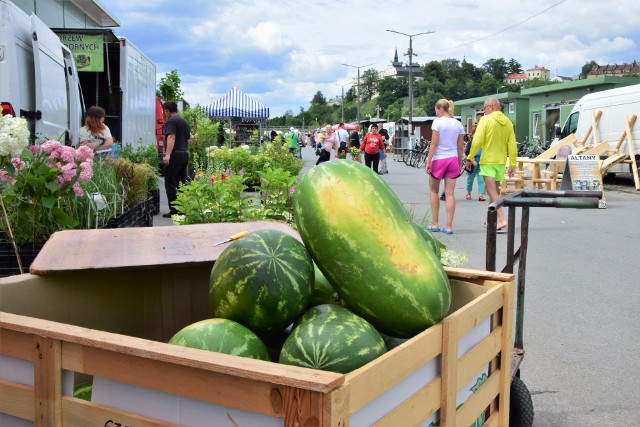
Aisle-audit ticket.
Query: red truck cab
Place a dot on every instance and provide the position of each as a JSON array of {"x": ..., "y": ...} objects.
[{"x": 160, "y": 120}]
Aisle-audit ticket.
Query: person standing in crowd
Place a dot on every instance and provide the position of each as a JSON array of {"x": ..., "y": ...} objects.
[
  {"x": 383, "y": 160},
  {"x": 443, "y": 162},
  {"x": 176, "y": 153},
  {"x": 354, "y": 139},
  {"x": 326, "y": 139},
  {"x": 496, "y": 138},
  {"x": 292, "y": 139},
  {"x": 371, "y": 145},
  {"x": 473, "y": 172},
  {"x": 342, "y": 136},
  {"x": 95, "y": 134}
]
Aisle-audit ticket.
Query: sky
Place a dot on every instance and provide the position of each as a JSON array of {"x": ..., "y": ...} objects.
[{"x": 282, "y": 52}]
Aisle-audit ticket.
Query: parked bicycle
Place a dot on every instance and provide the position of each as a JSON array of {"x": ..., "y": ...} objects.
[
  {"x": 531, "y": 148},
  {"x": 416, "y": 156}
]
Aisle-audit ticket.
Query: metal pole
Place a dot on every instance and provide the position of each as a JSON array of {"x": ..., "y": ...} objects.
[
  {"x": 342, "y": 104},
  {"x": 411, "y": 36},
  {"x": 357, "y": 86}
]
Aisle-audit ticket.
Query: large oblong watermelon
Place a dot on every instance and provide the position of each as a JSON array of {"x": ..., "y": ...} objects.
[
  {"x": 332, "y": 338},
  {"x": 263, "y": 281},
  {"x": 222, "y": 336},
  {"x": 364, "y": 242}
]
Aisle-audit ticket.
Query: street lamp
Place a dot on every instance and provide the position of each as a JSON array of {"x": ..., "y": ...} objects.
[
  {"x": 410, "y": 53},
  {"x": 357, "y": 87},
  {"x": 342, "y": 86}
]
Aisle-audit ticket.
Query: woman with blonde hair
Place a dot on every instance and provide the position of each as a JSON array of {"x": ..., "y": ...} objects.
[
  {"x": 443, "y": 162},
  {"x": 95, "y": 134}
]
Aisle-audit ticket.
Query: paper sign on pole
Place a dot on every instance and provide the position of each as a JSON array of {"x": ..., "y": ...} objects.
[{"x": 582, "y": 173}]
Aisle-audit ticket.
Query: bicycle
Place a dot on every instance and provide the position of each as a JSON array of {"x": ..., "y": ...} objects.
[{"x": 411, "y": 156}]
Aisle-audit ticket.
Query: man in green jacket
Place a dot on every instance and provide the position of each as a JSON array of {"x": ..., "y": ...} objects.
[{"x": 497, "y": 140}]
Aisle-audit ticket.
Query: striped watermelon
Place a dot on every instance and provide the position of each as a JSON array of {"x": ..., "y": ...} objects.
[
  {"x": 364, "y": 242},
  {"x": 332, "y": 338},
  {"x": 323, "y": 292},
  {"x": 222, "y": 336},
  {"x": 435, "y": 244},
  {"x": 263, "y": 281}
]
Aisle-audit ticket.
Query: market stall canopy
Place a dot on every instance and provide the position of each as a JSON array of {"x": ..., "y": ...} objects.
[{"x": 236, "y": 104}]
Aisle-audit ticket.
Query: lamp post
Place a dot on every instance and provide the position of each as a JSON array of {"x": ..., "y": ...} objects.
[
  {"x": 342, "y": 99},
  {"x": 410, "y": 53},
  {"x": 357, "y": 87}
]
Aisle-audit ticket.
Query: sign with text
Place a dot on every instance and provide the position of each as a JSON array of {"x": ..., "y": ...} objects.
[
  {"x": 87, "y": 50},
  {"x": 582, "y": 173}
]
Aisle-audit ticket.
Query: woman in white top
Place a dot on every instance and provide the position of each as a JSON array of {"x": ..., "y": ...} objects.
[
  {"x": 95, "y": 134},
  {"x": 443, "y": 162}
]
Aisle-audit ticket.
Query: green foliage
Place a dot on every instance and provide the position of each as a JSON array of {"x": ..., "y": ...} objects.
[
  {"x": 252, "y": 160},
  {"x": 169, "y": 87},
  {"x": 212, "y": 198},
  {"x": 586, "y": 68},
  {"x": 140, "y": 154}
]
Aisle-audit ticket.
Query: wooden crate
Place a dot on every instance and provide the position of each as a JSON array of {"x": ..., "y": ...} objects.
[{"x": 111, "y": 325}]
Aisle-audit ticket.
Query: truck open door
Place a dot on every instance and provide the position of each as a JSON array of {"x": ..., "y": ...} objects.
[{"x": 52, "y": 104}]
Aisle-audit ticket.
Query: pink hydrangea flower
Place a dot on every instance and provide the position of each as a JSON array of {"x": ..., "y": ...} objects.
[
  {"x": 77, "y": 189},
  {"x": 18, "y": 164}
]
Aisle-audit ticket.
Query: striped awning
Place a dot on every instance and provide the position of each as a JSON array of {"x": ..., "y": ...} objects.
[{"x": 235, "y": 104}]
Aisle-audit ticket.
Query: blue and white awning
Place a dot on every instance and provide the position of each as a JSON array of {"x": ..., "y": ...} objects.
[{"x": 236, "y": 104}]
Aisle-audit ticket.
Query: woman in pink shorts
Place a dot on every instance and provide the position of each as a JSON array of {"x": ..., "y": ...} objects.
[{"x": 443, "y": 162}]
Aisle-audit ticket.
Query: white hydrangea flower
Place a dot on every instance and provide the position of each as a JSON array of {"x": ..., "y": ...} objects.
[{"x": 14, "y": 135}]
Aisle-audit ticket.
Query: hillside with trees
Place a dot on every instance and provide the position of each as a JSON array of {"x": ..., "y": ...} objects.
[{"x": 389, "y": 97}]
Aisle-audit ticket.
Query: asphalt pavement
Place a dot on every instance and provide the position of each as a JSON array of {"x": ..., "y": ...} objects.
[{"x": 582, "y": 300}]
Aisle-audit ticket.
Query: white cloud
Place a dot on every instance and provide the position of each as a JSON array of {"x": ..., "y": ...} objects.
[{"x": 284, "y": 53}]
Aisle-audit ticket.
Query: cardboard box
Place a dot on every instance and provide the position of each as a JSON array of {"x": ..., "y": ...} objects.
[{"x": 112, "y": 322}]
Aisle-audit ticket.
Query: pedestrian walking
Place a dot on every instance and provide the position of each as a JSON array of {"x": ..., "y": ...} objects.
[
  {"x": 443, "y": 162},
  {"x": 496, "y": 138}
]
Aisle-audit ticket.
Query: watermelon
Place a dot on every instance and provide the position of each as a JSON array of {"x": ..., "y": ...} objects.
[
  {"x": 222, "y": 336},
  {"x": 263, "y": 281},
  {"x": 323, "y": 292},
  {"x": 435, "y": 244},
  {"x": 332, "y": 339},
  {"x": 364, "y": 242}
]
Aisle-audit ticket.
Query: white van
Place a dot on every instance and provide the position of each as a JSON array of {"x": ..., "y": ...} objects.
[
  {"x": 614, "y": 104},
  {"x": 38, "y": 78}
]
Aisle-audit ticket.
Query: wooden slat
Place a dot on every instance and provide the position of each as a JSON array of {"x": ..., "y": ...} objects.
[
  {"x": 77, "y": 412},
  {"x": 48, "y": 382},
  {"x": 16, "y": 344},
  {"x": 17, "y": 400},
  {"x": 477, "y": 310},
  {"x": 302, "y": 408},
  {"x": 506, "y": 352},
  {"x": 240, "y": 367},
  {"x": 478, "y": 357},
  {"x": 478, "y": 401},
  {"x": 74, "y": 250},
  {"x": 475, "y": 275},
  {"x": 336, "y": 408},
  {"x": 415, "y": 410},
  {"x": 450, "y": 337},
  {"x": 380, "y": 375}
]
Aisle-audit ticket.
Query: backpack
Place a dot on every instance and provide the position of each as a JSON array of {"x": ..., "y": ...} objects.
[{"x": 467, "y": 148}]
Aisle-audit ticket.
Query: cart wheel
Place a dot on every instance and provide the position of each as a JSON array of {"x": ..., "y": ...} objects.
[{"x": 521, "y": 408}]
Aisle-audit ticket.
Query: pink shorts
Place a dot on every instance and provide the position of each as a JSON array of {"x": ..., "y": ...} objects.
[{"x": 445, "y": 168}]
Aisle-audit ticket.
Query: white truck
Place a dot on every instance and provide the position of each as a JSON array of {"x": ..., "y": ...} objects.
[
  {"x": 125, "y": 88},
  {"x": 38, "y": 76},
  {"x": 614, "y": 105}
]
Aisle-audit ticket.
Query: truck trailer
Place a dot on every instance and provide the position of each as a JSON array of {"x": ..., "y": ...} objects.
[{"x": 38, "y": 77}]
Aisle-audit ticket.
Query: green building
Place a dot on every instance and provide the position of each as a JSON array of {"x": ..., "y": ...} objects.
[{"x": 536, "y": 112}]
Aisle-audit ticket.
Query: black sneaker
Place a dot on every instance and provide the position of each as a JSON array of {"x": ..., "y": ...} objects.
[
  {"x": 167, "y": 215},
  {"x": 442, "y": 196}
]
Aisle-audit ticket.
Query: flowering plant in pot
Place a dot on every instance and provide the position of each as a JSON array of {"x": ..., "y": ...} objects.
[{"x": 39, "y": 184}]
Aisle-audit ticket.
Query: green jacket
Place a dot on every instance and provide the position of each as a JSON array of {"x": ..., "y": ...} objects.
[
  {"x": 497, "y": 140},
  {"x": 292, "y": 139}
]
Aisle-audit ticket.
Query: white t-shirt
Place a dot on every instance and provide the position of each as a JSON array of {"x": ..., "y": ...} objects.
[
  {"x": 448, "y": 131},
  {"x": 85, "y": 135}
]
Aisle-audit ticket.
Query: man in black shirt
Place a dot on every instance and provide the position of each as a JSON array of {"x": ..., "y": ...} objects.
[{"x": 176, "y": 153}]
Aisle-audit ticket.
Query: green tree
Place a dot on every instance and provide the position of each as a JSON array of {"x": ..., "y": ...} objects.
[
  {"x": 586, "y": 68},
  {"x": 169, "y": 87},
  {"x": 497, "y": 68},
  {"x": 390, "y": 89},
  {"x": 350, "y": 96},
  {"x": 434, "y": 70},
  {"x": 369, "y": 84},
  {"x": 450, "y": 68},
  {"x": 514, "y": 67}
]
